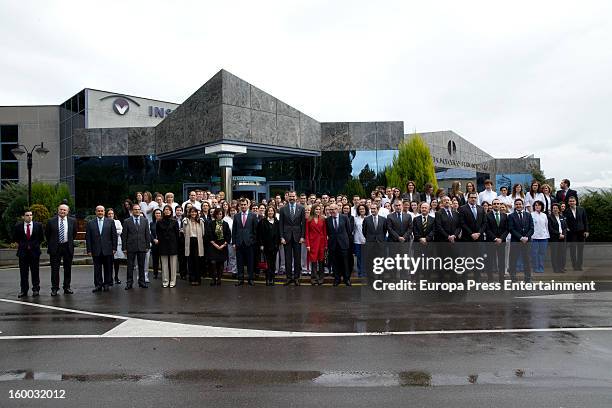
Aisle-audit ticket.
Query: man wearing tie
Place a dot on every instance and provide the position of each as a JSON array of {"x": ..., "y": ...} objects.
[
  {"x": 61, "y": 233},
  {"x": 563, "y": 195},
  {"x": 374, "y": 226},
  {"x": 244, "y": 233},
  {"x": 135, "y": 242},
  {"x": 497, "y": 232},
  {"x": 101, "y": 241},
  {"x": 399, "y": 224},
  {"x": 28, "y": 235},
  {"x": 446, "y": 232},
  {"x": 577, "y": 231},
  {"x": 473, "y": 224},
  {"x": 423, "y": 227},
  {"x": 338, "y": 243},
  {"x": 521, "y": 229},
  {"x": 293, "y": 229}
]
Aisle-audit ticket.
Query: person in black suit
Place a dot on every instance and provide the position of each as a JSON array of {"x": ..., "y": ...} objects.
[
  {"x": 520, "y": 225},
  {"x": 497, "y": 231},
  {"x": 411, "y": 194},
  {"x": 446, "y": 233},
  {"x": 563, "y": 195},
  {"x": 244, "y": 239},
  {"x": 578, "y": 231},
  {"x": 135, "y": 243},
  {"x": 557, "y": 228},
  {"x": 423, "y": 227},
  {"x": 399, "y": 224},
  {"x": 269, "y": 238},
  {"x": 219, "y": 237},
  {"x": 293, "y": 229},
  {"x": 374, "y": 226},
  {"x": 28, "y": 235},
  {"x": 60, "y": 233},
  {"x": 428, "y": 193},
  {"x": 472, "y": 220},
  {"x": 338, "y": 243},
  {"x": 101, "y": 242}
]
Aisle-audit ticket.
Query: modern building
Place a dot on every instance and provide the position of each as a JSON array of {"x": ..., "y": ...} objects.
[{"x": 228, "y": 135}]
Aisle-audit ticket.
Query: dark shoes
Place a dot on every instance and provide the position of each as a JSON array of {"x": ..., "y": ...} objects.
[
  {"x": 289, "y": 282},
  {"x": 296, "y": 282},
  {"x": 143, "y": 285},
  {"x": 213, "y": 282},
  {"x": 35, "y": 293},
  {"x": 53, "y": 292},
  {"x": 239, "y": 283},
  {"x": 22, "y": 294},
  {"x": 98, "y": 289},
  {"x": 117, "y": 281},
  {"x": 251, "y": 283},
  {"x": 105, "y": 289},
  {"x": 128, "y": 287},
  {"x": 68, "y": 291},
  {"x": 347, "y": 283}
]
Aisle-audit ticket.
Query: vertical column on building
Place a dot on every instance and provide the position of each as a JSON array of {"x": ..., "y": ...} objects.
[
  {"x": 225, "y": 152},
  {"x": 226, "y": 162}
]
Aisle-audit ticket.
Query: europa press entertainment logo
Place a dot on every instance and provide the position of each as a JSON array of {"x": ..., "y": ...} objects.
[{"x": 121, "y": 106}]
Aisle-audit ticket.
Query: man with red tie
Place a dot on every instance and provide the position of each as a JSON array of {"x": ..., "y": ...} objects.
[
  {"x": 28, "y": 235},
  {"x": 563, "y": 195}
]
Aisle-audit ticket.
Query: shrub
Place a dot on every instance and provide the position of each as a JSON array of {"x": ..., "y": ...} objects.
[
  {"x": 40, "y": 213},
  {"x": 598, "y": 206}
]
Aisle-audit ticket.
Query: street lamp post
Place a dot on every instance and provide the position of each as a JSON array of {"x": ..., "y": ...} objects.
[{"x": 21, "y": 150}]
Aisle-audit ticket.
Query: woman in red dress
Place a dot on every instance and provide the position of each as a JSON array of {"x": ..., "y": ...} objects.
[{"x": 316, "y": 243}]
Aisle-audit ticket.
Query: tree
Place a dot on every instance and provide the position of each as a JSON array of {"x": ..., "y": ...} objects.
[
  {"x": 367, "y": 177},
  {"x": 413, "y": 162},
  {"x": 353, "y": 187}
]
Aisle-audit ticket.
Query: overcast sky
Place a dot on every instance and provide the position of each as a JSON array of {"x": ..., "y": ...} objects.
[{"x": 515, "y": 79}]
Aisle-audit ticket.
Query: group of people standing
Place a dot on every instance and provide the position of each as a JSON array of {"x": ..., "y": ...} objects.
[{"x": 207, "y": 235}]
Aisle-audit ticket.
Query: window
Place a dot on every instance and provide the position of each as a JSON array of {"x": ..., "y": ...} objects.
[{"x": 9, "y": 166}]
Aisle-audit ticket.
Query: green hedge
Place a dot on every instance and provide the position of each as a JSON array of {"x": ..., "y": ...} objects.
[{"x": 598, "y": 206}]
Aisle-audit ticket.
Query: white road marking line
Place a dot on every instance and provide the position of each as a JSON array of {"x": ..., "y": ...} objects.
[
  {"x": 63, "y": 309},
  {"x": 144, "y": 328}
]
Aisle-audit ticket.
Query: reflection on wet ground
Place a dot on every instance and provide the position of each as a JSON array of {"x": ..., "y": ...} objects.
[{"x": 238, "y": 378}]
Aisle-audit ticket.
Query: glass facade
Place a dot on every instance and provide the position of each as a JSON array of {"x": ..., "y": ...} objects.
[
  {"x": 72, "y": 116},
  {"x": 9, "y": 166},
  {"x": 109, "y": 180}
]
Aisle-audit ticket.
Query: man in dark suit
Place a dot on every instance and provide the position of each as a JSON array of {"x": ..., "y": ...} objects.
[
  {"x": 60, "y": 233},
  {"x": 101, "y": 240},
  {"x": 557, "y": 228},
  {"x": 496, "y": 231},
  {"x": 447, "y": 228},
  {"x": 577, "y": 231},
  {"x": 135, "y": 242},
  {"x": 338, "y": 244},
  {"x": 28, "y": 235},
  {"x": 399, "y": 224},
  {"x": 244, "y": 239},
  {"x": 520, "y": 225},
  {"x": 293, "y": 229},
  {"x": 374, "y": 226},
  {"x": 423, "y": 229},
  {"x": 473, "y": 224},
  {"x": 446, "y": 233},
  {"x": 563, "y": 195}
]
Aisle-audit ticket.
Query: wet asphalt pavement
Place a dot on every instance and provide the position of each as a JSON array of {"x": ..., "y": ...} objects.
[{"x": 515, "y": 369}]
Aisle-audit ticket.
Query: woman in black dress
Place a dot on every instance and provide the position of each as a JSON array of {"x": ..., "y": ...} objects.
[
  {"x": 157, "y": 216},
  {"x": 268, "y": 239},
  {"x": 167, "y": 232},
  {"x": 219, "y": 237}
]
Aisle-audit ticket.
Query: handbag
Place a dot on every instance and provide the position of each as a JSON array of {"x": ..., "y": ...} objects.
[{"x": 262, "y": 264}]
